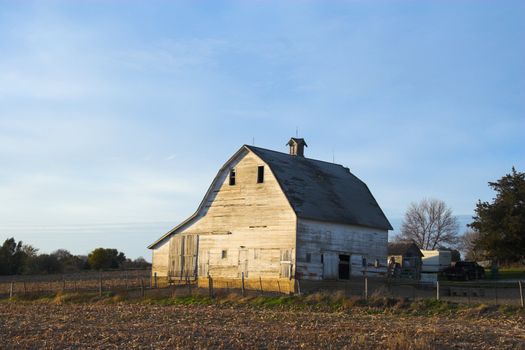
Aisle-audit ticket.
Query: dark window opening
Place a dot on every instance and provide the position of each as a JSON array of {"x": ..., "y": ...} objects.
[
  {"x": 232, "y": 177},
  {"x": 322, "y": 258},
  {"x": 224, "y": 254},
  {"x": 308, "y": 257},
  {"x": 260, "y": 174},
  {"x": 344, "y": 267}
]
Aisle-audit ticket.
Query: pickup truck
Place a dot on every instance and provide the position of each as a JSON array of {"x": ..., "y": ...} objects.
[{"x": 464, "y": 270}]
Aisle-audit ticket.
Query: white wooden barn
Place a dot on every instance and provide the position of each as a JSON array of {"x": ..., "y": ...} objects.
[{"x": 275, "y": 218}]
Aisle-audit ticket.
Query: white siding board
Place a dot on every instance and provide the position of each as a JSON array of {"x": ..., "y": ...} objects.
[{"x": 331, "y": 239}]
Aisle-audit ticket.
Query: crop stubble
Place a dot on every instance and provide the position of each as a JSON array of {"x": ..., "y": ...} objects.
[{"x": 138, "y": 326}]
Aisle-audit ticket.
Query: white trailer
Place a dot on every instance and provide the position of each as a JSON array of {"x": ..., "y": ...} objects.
[{"x": 435, "y": 260}]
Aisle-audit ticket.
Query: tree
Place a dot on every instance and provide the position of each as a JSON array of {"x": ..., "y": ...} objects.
[
  {"x": 44, "y": 264},
  {"x": 430, "y": 224},
  {"x": 138, "y": 263},
  {"x": 104, "y": 258},
  {"x": 469, "y": 245},
  {"x": 12, "y": 257},
  {"x": 68, "y": 261},
  {"x": 501, "y": 223}
]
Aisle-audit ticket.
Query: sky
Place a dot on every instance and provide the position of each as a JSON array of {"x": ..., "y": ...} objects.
[{"x": 116, "y": 115}]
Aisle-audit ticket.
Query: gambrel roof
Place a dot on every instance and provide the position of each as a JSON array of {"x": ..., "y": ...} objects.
[
  {"x": 315, "y": 189},
  {"x": 319, "y": 190}
]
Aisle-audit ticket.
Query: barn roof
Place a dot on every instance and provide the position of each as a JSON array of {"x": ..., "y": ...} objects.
[
  {"x": 315, "y": 189},
  {"x": 324, "y": 191}
]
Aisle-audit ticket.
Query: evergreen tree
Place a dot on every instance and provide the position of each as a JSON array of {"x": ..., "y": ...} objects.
[{"x": 501, "y": 223}]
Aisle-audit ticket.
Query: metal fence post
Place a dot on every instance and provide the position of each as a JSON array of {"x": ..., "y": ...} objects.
[
  {"x": 210, "y": 286},
  {"x": 437, "y": 290},
  {"x": 242, "y": 283},
  {"x": 260, "y": 284},
  {"x": 366, "y": 288},
  {"x": 155, "y": 280},
  {"x": 521, "y": 293},
  {"x": 11, "y": 288},
  {"x": 100, "y": 285}
]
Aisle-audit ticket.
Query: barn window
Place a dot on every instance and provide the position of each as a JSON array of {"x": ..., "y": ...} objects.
[
  {"x": 260, "y": 174},
  {"x": 232, "y": 177},
  {"x": 224, "y": 254},
  {"x": 308, "y": 257}
]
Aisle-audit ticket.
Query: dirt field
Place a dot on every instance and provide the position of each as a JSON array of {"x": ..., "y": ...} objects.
[{"x": 142, "y": 326}]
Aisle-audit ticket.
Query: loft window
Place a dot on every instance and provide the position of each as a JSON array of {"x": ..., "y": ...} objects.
[
  {"x": 260, "y": 174},
  {"x": 232, "y": 177},
  {"x": 224, "y": 254}
]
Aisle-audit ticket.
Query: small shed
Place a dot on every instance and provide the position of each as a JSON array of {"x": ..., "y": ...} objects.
[{"x": 404, "y": 259}]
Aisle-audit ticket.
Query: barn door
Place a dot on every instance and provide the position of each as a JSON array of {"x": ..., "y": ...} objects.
[
  {"x": 243, "y": 262},
  {"x": 330, "y": 265},
  {"x": 358, "y": 264},
  {"x": 286, "y": 263},
  {"x": 189, "y": 255},
  {"x": 183, "y": 256}
]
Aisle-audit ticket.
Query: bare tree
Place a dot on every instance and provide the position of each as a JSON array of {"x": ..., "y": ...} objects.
[
  {"x": 469, "y": 244},
  {"x": 430, "y": 224}
]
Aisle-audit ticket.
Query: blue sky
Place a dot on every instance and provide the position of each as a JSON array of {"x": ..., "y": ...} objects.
[{"x": 115, "y": 116}]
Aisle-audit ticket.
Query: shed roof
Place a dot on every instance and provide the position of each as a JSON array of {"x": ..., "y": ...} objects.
[
  {"x": 323, "y": 191},
  {"x": 402, "y": 248}
]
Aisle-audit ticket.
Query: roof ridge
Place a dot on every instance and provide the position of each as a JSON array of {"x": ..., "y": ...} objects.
[{"x": 295, "y": 157}]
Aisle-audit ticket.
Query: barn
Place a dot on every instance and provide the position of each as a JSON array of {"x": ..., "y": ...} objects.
[{"x": 273, "y": 218}]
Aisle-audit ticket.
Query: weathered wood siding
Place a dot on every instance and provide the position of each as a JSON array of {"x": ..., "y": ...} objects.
[
  {"x": 322, "y": 243},
  {"x": 160, "y": 259},
  {"x": 248, "y": 227}
]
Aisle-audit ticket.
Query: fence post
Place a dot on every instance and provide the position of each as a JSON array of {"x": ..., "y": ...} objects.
[
  {"x": 437, "y": 290},
  {"x": 298, "y": 287},
  {"x": 188, "y": 284},
  {"x": 366, "y": 288},
  {"x": 142, "y": 287},
  {"x": 210, "y": 286},
  {"x": 100, "y": 285},
  {"x": 260, "y": 284},
  {"x": 521, "y": 293},
  {"x": 242, "y": 283},
  {"x": 11, "y": 288}
]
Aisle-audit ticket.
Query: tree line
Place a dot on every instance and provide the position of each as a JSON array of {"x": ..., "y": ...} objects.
[
  {"x": 497, "y": 230},
  {"x": 17, "y": 258}
]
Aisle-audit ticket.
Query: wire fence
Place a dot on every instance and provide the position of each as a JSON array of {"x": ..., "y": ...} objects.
[
  {"x": 475, "y": 292},
  {"x": 109, "y": 280}
]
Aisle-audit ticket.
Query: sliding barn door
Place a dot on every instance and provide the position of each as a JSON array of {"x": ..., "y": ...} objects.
[{"x": 183, "y": 256}]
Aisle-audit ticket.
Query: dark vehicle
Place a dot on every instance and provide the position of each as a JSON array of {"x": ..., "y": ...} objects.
[{"x": 464, "y": 270}]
